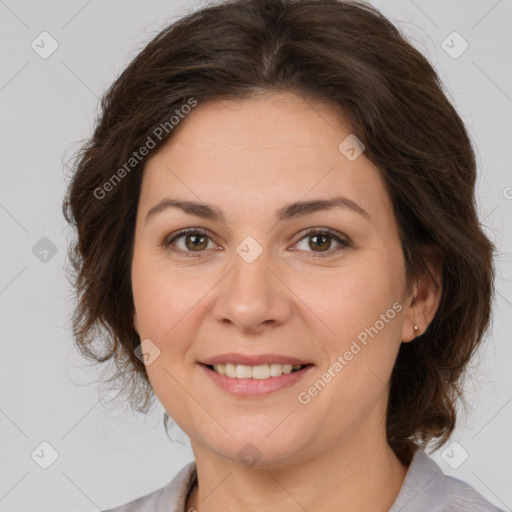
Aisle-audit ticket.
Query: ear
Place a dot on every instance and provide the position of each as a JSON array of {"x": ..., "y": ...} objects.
[{"x": 423, "y": 302}]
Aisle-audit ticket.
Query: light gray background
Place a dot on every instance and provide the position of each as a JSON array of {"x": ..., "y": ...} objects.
[{"x": 108, "y": 456}]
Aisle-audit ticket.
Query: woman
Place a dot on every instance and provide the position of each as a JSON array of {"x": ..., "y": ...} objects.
[{"x": 277, "y": 235}]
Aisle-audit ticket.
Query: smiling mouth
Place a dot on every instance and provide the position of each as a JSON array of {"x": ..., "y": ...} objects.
[{"x": 259, "y": 372}]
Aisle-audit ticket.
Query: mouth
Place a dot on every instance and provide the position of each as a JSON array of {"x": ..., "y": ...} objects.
[
  {"x": 247, "y": 381},
  {"x": 258, "y": 372}
]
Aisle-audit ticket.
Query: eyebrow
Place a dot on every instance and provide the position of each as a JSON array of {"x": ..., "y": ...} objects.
[{"x": 289, "y": 211}]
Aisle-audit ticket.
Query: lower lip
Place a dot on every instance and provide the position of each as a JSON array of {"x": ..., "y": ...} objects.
[{"x": 255, "y": 387}]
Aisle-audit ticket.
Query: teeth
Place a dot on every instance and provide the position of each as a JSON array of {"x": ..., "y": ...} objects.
[{"x": 262, "y": 371}]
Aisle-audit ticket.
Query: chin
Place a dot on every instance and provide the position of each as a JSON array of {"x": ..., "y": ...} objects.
[{"x": 256, "y": 444}]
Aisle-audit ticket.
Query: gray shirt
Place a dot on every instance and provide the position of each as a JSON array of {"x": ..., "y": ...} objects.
[{"x": 425, "y": 489}]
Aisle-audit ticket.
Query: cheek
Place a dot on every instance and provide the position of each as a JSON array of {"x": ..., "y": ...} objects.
[
  {"x": 362, "y": 307},
  {"x": 350, "y": 299},
  {"x": 160, "y": 298},
  {"x": 168, "y": 306},
  {"x": 361, "y": 357},
  {"x": 164, "y": 315}
]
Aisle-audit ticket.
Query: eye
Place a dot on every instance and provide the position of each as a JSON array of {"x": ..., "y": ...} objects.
[
  {"x": 320, "y": 241},
  {"x": 194, "y": 241}
]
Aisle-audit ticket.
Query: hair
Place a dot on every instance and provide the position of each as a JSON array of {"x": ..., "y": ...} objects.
[{"x": 345, "y": 54}]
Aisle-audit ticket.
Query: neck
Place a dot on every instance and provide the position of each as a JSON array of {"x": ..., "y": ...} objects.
[{"x": 356, "y": 476}]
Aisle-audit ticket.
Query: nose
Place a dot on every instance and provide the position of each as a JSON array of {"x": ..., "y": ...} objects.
[{"x": 252, "y": 297}]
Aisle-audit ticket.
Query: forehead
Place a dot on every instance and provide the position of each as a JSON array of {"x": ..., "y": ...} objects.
[{"x": 273, "y": 148}]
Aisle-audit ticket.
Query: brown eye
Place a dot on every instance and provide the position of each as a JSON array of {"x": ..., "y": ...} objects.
[
  {"x": 187, "y": 242},
  {"x": 320, "y": 241},
  {"x": 196, "y": 242}
]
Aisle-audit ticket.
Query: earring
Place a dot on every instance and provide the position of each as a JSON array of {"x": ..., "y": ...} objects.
[{"x": 416, "y": 329}]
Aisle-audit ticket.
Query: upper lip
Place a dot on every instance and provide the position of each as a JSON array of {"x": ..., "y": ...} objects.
[{"x": 254, "y": 360}]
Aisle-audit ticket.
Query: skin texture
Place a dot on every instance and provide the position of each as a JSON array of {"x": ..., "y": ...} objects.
[{"x": 249, "y": 159}]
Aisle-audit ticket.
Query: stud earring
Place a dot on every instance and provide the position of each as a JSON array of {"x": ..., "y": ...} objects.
[{"x": 416, "y": 329}]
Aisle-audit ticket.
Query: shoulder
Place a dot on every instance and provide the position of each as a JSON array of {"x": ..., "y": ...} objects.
[
  {"x": 427, "y": 488},
  {"x": 169, "y": 498}
]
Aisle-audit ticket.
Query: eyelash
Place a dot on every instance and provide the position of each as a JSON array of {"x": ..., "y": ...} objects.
[{"x": 343, "y": 241}]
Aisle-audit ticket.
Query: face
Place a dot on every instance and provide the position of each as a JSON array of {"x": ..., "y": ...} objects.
[{"x": 258, "y": 280}]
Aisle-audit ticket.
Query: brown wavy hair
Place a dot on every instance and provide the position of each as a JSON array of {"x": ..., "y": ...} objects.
[{"x": 346, "y": 54}]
